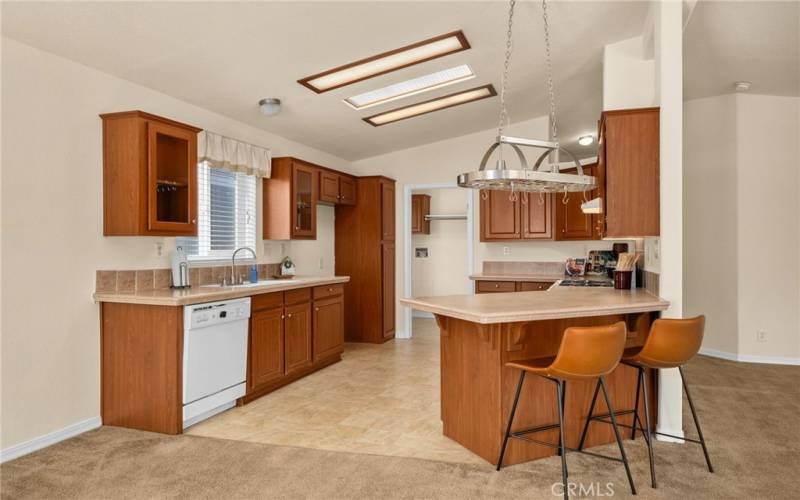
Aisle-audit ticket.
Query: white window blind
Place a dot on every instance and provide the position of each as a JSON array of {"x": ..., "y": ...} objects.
[{"x": 226, "y": 214}]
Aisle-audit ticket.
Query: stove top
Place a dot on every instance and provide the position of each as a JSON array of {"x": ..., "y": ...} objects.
[{"x": 587, "y": 282}]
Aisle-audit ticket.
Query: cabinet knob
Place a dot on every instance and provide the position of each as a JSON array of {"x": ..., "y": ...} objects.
[
  {"x": 282, "y": 316},
  {"x": 316, "y": 308},
  {"x": 496, "y": 285},
  {"x": 330, "y": 289},
  {"x": 288, "y": 315}
]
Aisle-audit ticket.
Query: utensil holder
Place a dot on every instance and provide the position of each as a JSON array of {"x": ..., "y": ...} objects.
[{"x": 622, "y": 280}]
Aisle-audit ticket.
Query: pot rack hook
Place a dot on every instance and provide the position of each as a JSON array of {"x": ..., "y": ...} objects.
[{"x": 565, "y": 200}]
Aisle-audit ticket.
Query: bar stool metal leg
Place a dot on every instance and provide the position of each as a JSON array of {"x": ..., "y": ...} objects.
[
  {"x": 647, "y": 435},
  {"x": 511, "y": 419},
  {"x": 562, "y": 450},
  {"x": 696, "y": 422},
  {"x": 636, "y": 404},
  {"x": 616, "y": 434},
  {"x": 589, "y": 416}
]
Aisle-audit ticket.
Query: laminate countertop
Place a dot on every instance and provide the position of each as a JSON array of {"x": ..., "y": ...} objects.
[
  {"x": 556, "y": 303},
  {"x": 516, "y": 277},
  {"x": 198, "y": 294}
]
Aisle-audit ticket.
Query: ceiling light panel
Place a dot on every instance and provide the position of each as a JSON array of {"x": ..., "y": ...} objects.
[
  {"x": 424, "y": 107},
  {"x": 411, "y": 87},
  {"x": 380, "y": 64}
]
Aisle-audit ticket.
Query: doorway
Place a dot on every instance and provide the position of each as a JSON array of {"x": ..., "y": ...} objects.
[{"x": 439, "y": 259}]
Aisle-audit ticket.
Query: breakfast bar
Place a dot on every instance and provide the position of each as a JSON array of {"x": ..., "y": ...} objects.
[{"x": 481, "y": 333}]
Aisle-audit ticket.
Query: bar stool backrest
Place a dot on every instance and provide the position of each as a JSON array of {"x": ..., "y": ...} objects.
[
  {"x": 588, "y": 352},
  {"x": 672, "y": 342}
]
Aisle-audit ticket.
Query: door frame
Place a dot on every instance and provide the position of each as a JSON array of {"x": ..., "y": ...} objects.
[{"x": 408, "y": 253}]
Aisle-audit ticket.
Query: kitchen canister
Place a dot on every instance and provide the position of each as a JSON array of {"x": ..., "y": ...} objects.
[{"x": 622, "y": 280}]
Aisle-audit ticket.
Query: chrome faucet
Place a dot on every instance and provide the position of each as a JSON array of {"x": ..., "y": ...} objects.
[{"x": 233, "y": 262}]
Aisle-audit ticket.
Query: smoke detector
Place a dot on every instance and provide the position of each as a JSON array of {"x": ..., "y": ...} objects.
[{"x": 741, "y": 86}]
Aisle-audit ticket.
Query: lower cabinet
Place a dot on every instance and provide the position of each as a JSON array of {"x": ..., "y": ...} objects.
[
  {"x": 328, "y": 327},
  {"x": 483, "y": 286},
  {"x": 292, "y": 335}
]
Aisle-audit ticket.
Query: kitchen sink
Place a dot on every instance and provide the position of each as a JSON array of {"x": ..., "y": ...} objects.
[{"x": 248, "y": 284}]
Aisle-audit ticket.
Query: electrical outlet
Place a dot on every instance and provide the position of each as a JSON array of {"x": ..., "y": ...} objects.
[
  {"x": 159, "y": 248},
  {"x": 506, "y": 250},
  {"x": 761, "y": 336}
]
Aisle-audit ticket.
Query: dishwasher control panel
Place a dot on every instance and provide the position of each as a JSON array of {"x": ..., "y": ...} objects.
[{"x": 215, "y": 313}]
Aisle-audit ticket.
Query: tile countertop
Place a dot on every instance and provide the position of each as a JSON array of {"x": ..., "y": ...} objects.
[
  {"x": 516, "y": 277},
  {"x": 559, "y": 302},
  {"x": 209, "y": 293}
]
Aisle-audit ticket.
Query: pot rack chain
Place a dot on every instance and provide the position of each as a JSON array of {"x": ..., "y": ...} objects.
[
  {"x": 549, "y": 64},
  {"x": 504, "y": 83}
]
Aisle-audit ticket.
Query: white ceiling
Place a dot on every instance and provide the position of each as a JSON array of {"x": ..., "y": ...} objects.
[
  {"x": 755, "y": 41},
  {"x": 226, "y": 56}
]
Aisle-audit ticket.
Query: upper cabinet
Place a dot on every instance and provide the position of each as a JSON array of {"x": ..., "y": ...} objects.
[
  {"x": 420, "y": 207},
  {"x": 290, "y": 200},
  {"x": 149, "y": 175},
  {"x": 628, "y": 173},
  {"x": 507, "y": 216},
  {"x": 291, "y": 195},
  {"x": 570, "y": 221},
  {"x": 336, "y": 188}
]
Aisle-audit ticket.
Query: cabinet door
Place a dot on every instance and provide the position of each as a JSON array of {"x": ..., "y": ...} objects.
[
  {"x": 571, "y": 222},
  {"x": 416, "y": 214},
  {"x": 304, "y": 196},
  {"x": 387, "y": 279},
  {"x": 171, "y": 179},
  {"x": 537, "y": 216},
  {"x": 328, "y": 327},
  {"x": 495, "y": 286},
  {"x": 347, "y": 190},
  {"x": 533, "y": 286},
  {"x": 500, "y": 216},
  {"x": 328, "y": 186},
  {"x": 297, "y": 333},
  {"x": 387, "y": 211},
  {"x": 266, "y": 347}
]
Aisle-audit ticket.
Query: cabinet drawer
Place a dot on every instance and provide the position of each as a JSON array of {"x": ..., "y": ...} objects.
[
  {"x": 297, "y": 296},
  {"x": 533, "y": 286},
  {"x": 266, "y": 301},
  {"x": 321, "y": 292},
  {"x": 494, "y": 286}
]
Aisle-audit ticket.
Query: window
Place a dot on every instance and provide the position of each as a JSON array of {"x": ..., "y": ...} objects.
[{"x": 227, "y": 214}]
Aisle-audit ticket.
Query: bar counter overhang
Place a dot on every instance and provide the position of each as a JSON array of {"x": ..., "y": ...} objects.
[{"x": 480, "y": 333}]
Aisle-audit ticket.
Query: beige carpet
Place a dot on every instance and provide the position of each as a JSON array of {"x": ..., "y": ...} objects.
[{"x": 750, "y": 416}]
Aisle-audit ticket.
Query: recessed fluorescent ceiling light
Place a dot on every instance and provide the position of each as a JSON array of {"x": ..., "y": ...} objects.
[
  {"x": 425, "y": 50},
  {"x": 411, "y": 87},
  {"x": 421, "y": 108}
]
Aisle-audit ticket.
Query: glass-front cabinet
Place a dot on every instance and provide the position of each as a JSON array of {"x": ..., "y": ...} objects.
[
  {"x": 304, "y": 196},
  {"x": 172, "y": 171}
]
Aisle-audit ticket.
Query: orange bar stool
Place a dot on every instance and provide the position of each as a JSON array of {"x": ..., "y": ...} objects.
[
  {"x": 671, "y": 344},
  {"x": 585, "y": 353}
]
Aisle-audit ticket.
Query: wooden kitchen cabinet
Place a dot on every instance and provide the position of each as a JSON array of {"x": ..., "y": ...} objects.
[
  {"x": 336, "y": 188},
  {"x": 297, "y": 333},
  {"x": 365, "y": 251},
  {"x": 266, "y": 347},
  {"x": 570, "y": 221},
  {"x": 290, "y": 200},
  {"x": 328, "y": 327},
  {"x": 485, "y": 286},
  {"x": 628, "y": 173},
  {"x": 420, "y": 207},
  {"x": 149, "y": 175},
  {"x": 507, "y": 216}
]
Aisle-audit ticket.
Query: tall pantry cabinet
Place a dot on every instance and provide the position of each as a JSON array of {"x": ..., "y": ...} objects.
[{"x": 365, "y": 251}]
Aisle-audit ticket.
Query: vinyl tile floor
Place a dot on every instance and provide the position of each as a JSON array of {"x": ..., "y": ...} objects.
[{"x": 380, "y": 399}]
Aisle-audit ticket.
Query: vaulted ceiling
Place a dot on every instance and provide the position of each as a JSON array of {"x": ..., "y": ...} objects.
[{"x": 226, "y": 56}]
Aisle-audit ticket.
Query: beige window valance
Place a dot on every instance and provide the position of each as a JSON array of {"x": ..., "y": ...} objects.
[{"x": 236, "y": 156}]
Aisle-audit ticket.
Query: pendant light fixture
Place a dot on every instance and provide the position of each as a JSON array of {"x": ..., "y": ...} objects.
[{"x": 524, "y": 178}]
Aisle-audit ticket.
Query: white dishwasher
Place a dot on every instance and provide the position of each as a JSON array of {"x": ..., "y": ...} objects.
[{"x": 214, "y": 357}]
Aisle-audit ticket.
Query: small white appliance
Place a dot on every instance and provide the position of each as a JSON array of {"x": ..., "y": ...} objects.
[{"x": 214, "y": 357}]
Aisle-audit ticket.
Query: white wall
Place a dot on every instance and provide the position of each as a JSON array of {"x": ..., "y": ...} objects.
[
  {"x": 742, "y": 239},
  {"x": 444, "y": 271},
  {"x": 710, "y": 226},
  {"x": 628, "y": 75},
  {"x": 52, "y": 239},
  {"x": 442, "y": 162}
]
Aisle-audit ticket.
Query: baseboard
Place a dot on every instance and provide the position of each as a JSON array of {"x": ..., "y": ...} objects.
[
  {"x": 422, "y": 314},
  {"x": 667, "y": 439},
  {"x": 747, "y": 358},
  {"x": 50, "y": 439},
  {"x": 401, "y": 334}
]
